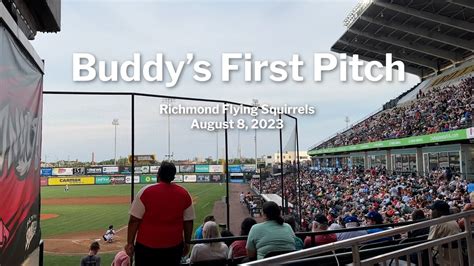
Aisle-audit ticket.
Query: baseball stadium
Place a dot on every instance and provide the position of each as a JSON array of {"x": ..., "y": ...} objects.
[{"x": 394, "y": 188}]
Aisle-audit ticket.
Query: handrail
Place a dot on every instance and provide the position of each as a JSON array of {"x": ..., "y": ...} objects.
[
  {"x": 412, "y": 249},
  {"x": 354, "y": 242}
]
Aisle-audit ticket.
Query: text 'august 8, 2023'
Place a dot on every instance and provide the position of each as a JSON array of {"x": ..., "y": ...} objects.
[{"x": 224, "y": 116}]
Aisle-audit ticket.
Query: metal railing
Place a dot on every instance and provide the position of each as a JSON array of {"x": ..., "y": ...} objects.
[{"x": 355, "y": 243}]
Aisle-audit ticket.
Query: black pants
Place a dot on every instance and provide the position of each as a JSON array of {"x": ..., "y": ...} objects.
[{"x": 158, "y": 256}]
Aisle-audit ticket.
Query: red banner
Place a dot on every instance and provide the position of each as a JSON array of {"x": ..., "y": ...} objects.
[{"x": 20, "y": 151}]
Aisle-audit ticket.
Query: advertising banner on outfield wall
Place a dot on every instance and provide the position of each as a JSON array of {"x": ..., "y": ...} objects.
[
  {"x": 46, "y": 171},
  {"x": 216, "y": 168},
  {"x": 142, "y": 169},
  {"x": 145, "y": 169},
  {"x": 62, "y": 171},
  {"x": 102, "y": 180},
  {"x": 44, "y": 182},
  {"x": 94, "y": 171},
  {"x": 189, "y": 178},
  {"x": 128, "y": 179},
  {"x": 203, "y": 178},
  {"x": 216, "y": 178},
  {"x": 202, "y": 168},
  {"x": 21, "y": 101},
  {"x": 235, "y": 168},
  {"x": 124, "y": 170},
  {"x": 79, "y": 171},
  {"x": 187, "y": 168},
  {"x": 249, "y": 168},
  {"x": 178, "y": 178},
  {"x": 154, "y": 169},
  {"x": 116, "y": 180},
  {"x": 62, "y": 181},
  {"x": 148, "y": 179},
  {"x": 110, "y": 170}
]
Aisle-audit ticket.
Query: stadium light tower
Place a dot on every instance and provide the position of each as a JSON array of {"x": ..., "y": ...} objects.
[
  {"x": 115, "y": 123},
  {"x": 256, "y": 104},
  {"x": 347, "y": 120},
  {"x": 169, "y": 101}
]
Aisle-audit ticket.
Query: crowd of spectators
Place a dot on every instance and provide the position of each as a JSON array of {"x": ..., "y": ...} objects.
[
  {"x": 436, "y": 109},
  {"x": 356, "y": 193}
]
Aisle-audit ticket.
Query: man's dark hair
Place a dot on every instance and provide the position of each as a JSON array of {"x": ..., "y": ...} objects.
[
  {"x": 166, "y": 172},
  {"x": 95, "y": 246},
  {"x": 246, "y": 225}
]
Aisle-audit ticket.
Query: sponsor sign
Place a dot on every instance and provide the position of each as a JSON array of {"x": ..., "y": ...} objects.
[
  {"x": 187, "y": 168},
  {"x": 202, "y": 168},
  {"x": 249, "y": 168},
  {"x": 202, "y": 178},
  {"x": 216, "y": 178},
  {"x": 61, "y": 181},
  {"x": 147, "y": 179},
  {"x": 125, "y": 170},
  {"x": 94, "y": 171},
  {"x": 78, "y": 171},
  {"x": 117, "y": 180},
  {"x": 235, "y": 168},
  {"x": 136, "y": 179},
  {"x": 145, "y": 169},
  {"x": 102, "y": 180},
  {"x": 178, "y": 178},
  {"x": 189, "y": 178},
  {"x": 44, "y": 182},
  {"x": 62, "y": 171},
  {"x": 154, "y": 169},
  {"x": 110, "y": 170},
  {"x": 460, "y": 134},
  {"x": 216, "y": 168},
  {"x": 46, "y": 171}
]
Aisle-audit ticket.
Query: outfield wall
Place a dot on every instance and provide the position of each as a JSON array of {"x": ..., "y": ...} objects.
[
  {"x": 127, "y": 179},
  {"x": 112, "y": 175}
]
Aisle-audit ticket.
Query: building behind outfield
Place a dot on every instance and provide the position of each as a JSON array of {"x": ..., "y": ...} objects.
[{"x": 435, "y": 43}]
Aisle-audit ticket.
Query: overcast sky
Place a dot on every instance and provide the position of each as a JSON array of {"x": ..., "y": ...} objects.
[{"x": 76, "y": 126}]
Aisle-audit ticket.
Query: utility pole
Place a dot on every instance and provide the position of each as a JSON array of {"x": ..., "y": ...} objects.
[
  {"x": 115, "y": 123},
  {"x": 256, "y": 104}
]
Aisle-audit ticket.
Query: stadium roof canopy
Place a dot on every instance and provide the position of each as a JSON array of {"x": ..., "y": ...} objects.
[{"x": 427, "y": 35}]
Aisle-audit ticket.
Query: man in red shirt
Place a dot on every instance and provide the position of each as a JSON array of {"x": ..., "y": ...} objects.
[{"x": 159, "y": 215}]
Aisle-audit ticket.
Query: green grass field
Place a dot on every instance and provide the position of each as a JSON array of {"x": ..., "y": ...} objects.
[{"x": 81, "y": 218}]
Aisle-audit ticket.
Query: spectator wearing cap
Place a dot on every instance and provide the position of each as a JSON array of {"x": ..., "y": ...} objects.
[
  {"x": 375, "y": 218},
  {"x": 446, "y": 256},
  {"x": 351, "y": 222},
  {"x": 320, "y": 223}
]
